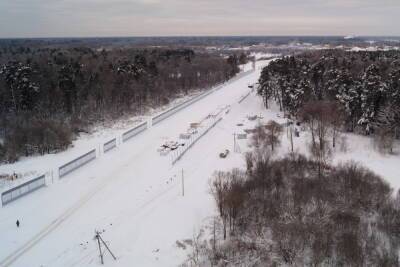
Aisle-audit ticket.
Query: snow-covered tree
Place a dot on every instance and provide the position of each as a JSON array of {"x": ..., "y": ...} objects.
[
  {"x": 21, "y": 88},
  {"x": 372, "y": 96}
]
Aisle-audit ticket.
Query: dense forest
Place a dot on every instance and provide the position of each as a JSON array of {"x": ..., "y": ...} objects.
[
  {"x": 364, "y": 86},
  {"x": 284, "y": 212},
  {"x": 294, "y": 210},
  {"x": 48, "y": 95}
]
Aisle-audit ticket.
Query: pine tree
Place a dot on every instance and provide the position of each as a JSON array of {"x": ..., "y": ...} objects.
[
  {"x": 22, "y": 91},
  {"x": 372, "y": 96}
]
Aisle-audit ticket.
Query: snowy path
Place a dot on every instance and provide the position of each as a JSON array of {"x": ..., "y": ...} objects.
[{"x": 132, "y": 193}]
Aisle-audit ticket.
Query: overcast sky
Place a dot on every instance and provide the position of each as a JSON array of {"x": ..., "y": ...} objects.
[{"x": 78, "y": 18}]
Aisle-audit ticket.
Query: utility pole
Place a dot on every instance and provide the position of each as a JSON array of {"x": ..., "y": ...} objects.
[
  {"x": 183, "y": 184},
  {"x": 234, "y": 142},
  {"x": 97, "y": 236},
  {"x": 99, "y": 242}
]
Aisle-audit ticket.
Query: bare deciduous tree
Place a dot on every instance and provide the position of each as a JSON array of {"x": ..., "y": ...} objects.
[
  {"x": 274, "y": 131},
  {"x": 219, "y": 186},
  {"x": 318, "y": 115}
]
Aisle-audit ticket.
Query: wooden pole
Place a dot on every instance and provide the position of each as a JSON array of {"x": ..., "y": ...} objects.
[
  {"x": 98, "y": 242},
  {"x": 234, "y": 142},
  {"x": 109, "y": 250},
  {"x": 183, "y": 184}
]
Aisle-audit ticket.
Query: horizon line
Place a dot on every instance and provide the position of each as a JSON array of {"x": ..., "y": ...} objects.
[{"x": 192, "y": 36}]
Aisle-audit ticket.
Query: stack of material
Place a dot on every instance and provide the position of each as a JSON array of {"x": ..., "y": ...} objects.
[
  {"x": 252, "y": 118},
  {"x": 249, "y": 131},
  {"x": 242, "y": 136},
  {"x": 194, "y": 125},
  {"x": 191, "y": 131},
  {"x": 168, "y": 146},
  {"x": 185, "y": 136}
]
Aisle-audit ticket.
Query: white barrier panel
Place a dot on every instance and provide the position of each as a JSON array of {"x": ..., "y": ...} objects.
[
  {"x": 76, "y": 163},
  {"x": 22, "y": 190},
  {"x": 110, "y": 145},
  {"x": 173, "y": 110},
  {"x": 133, "y": 132}
]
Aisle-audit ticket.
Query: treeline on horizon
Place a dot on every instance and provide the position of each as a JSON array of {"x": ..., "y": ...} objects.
[
  {"x": 49, "y": 95},
  {"x": 362, "y": 87},
  {"x": 185, "y": 41}
]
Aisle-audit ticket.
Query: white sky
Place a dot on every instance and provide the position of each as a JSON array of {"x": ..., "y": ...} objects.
[{"x": 79, "y": 18}]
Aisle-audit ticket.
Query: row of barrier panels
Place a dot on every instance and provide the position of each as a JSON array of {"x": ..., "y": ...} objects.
[
  {"x": 166, "y": 114},
  {"x": 182, "y": 150},
  {"x": 76, "y": 163},
  {"x": 22, "y": 190},
  {"x": 134, "y": 131},
  {"x": 110, "y": 145},
  {"x": 32, "y": 185}
]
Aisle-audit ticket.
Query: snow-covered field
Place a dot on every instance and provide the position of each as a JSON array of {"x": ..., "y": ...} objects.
[{"x": 134, "y": 196}]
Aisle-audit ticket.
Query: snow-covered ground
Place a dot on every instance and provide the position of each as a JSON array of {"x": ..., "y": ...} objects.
[
  {"x": 260, "y": 55},
  {"x": 134, "y": 196},
  {"x": 373, "y": 48},
  {"x": 132, "y": 193}
]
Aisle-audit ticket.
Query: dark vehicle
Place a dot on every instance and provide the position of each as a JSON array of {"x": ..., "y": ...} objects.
[{"x": 224, "y": 154}]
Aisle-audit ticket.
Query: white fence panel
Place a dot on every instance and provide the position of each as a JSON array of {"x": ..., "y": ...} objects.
[
  {"x": 76, "y": 163},
  {"x": 133, "y": 132},
  {"x": 110, "y": 145},
  {"x": 168, "y": 113},
  {"x": 22, "y": 190},
  {"x": 173, "y": 110}
]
